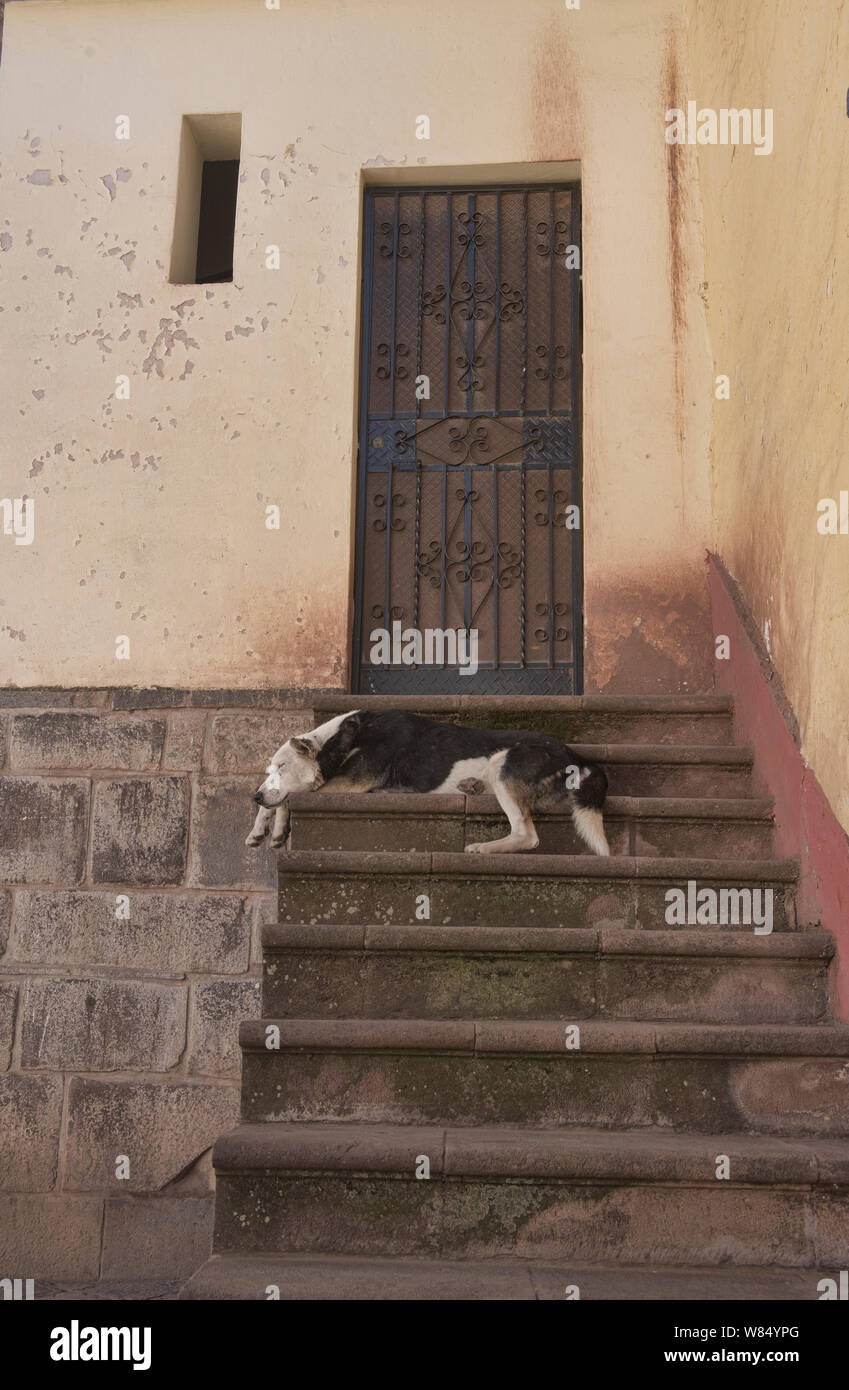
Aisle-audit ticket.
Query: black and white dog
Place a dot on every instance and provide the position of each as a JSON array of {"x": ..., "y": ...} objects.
[{"x": 395, "y": 751}]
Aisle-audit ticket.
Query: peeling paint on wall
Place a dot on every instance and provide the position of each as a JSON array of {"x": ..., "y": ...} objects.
[{"x": 249, "y": 389}]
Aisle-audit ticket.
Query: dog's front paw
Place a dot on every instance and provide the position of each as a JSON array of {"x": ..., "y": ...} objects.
[
  {"x": 279, "y": 844},
  {"x": 253, "y": 840}
]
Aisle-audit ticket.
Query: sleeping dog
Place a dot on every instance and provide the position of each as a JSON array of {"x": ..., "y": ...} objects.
[{"x": 393, "y": 751}]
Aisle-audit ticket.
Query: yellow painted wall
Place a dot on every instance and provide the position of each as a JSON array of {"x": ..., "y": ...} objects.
[
  {"x": 776, "y": 232},
  {"x": 150, "y": 512}
]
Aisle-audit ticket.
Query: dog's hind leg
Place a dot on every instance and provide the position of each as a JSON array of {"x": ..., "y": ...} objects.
[
  {"x": 260, "y": 828},
  {"x": 514, "y": 801},
  {"x": 586, "y": 805}
]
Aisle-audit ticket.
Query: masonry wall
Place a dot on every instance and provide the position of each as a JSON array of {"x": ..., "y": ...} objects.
[
  {"x": 778, "y": 314},
  {"x": 129, "y": 953},
  {"x": 150, "y": 512}
]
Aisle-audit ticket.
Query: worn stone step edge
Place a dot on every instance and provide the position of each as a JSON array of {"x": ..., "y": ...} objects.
[
  {"x": 546, "y": 1037},
  {"x": 599, "y": 941},
  {"x": 449, "y": 863},
  {"x": 494, "y": 1152},
  {"x": 565, "y": 704},
  {"x": 424, "y": 805},
  {"x": 338, "y": 1277},
  {"x": 666, "y": 754}
]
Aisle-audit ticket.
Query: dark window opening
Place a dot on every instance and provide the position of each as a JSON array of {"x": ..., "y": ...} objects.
[
  {"x": 217, "y": 221},
  {"x": 202, "y": 245}
]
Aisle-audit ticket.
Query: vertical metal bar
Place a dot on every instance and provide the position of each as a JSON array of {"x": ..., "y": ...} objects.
[
  {"x": 522, "y": 467},
  {"x": 551, "y": 593},
  {"x": 392, "y": 337},
  {"x": 495, "y": 565},
  {"x": 362, "y": 449},
  {"x": 576, "y": 451},
  {"x": 524, "y": 294},
  {"x": 420, "y": 295},
  {"x": 448, "y": 206},
  {"x": 551, "y": 343},
  {"x": 470, "y": 322},
  {"x": 468, "y": 471},
  {"x": 387, "y": 577},
  {"x": 522, "y": 565},
  {"x": 468, "y": 489},
  {"x": 387, "y": 574},
  {"x": 419, "y": 333},
  {"x": 548, "y": 467},
  {"x": 443, "y": 575},
  {"x": 496, "y": 399},
  {"x": 416, "y": 544},
  {"x": 497, "y": 300}
]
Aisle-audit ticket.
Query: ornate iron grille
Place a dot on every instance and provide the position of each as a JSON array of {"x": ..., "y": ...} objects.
[{"x": 469, "y": 455}]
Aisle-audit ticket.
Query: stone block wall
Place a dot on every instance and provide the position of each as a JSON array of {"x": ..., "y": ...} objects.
[{"x": 130, "y": 912}]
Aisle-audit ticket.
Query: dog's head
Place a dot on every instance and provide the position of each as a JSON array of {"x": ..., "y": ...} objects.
[{"x": 294, "y": 768}]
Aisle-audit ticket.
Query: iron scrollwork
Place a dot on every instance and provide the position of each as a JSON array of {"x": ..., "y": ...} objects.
[
  {"x": 397, "y": 523},
  {"x": 550, "y": 245},
  {"x": 466, "y": 300},
  {"x": 384, "y": 352}
]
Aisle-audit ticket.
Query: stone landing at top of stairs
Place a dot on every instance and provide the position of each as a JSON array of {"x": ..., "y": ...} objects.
[
  {"x": 604, "y": 1098},
  {"x": 599, "y": 719}
]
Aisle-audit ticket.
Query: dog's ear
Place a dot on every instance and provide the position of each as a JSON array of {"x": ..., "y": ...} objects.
[{"x": 305, "y": 747}]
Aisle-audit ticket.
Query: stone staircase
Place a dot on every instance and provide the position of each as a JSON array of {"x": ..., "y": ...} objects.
[{"x": 508, "y": 1077}]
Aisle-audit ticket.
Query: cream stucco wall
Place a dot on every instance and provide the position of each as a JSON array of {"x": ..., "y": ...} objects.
[
  {"x": 150, "y": 512},
  {"x": 776, "y": 234}
]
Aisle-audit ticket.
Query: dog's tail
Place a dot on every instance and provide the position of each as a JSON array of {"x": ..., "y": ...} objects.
[{"x": 587, "y": 802}]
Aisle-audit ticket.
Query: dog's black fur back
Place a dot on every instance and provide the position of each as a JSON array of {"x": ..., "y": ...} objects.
[
  {"x": 395, "y": 750},
  {"x": 398, "y": 751}
]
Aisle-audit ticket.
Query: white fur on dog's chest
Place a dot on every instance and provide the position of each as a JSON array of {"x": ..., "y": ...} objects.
[{"x": 483, "y": 769}]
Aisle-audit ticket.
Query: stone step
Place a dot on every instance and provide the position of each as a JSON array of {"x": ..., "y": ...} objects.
[
  {"x": 585, "y": 1196},
  {"x": 548, "y": 890},
  {"x": 336, "y": 1277},
  {"x": 659, "y": 770},
  {"x": 693, "y": 770},
  {"x": 424, "y": 971},
  {"x": 670, "y": 827},
  {"x": 769, "y": 1078},
  {"x": 574, "y": 718}
]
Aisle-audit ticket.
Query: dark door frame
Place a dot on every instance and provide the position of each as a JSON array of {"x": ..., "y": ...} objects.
[{"x": 573, "y": 683}]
